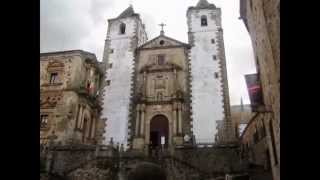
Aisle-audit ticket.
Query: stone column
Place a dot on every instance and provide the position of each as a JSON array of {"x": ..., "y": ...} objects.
[
  {"x": 175, "y": 80},
  {"x": 80, "y": 116},
  {"x": 180, "y": 119},
  {"x": 137, "y": 120},
  {"x": 142, "y": 120},
  {"x": 174, "y": 118},
  {"x": 93, "y": 128},
  {"x": 144, "y": 83}
]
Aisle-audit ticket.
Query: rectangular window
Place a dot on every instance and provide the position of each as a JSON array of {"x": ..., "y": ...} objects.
[
  {"x": 160, "y": 59},
  {"x": 214, "y": 57},
  {"x": 110, "y": 65},
  {"x": 213, "y": 41},
  {"x": 53, "y": 78},
  {"x": 111, "y": 51},
  {"x": 108, "y": 82},
  {"x": 43, "y": 120},
  {"x": 216, "y": 75}
]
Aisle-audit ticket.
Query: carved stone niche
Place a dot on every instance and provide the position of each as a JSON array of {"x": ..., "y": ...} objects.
[{"x": 160, "y": 82}]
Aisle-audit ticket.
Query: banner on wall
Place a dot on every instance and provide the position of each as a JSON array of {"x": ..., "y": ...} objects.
[{"x": 255, "y": 92}]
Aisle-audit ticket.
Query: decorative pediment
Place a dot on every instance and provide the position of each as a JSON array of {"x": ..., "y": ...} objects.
[{"x": 162, "y": 41}]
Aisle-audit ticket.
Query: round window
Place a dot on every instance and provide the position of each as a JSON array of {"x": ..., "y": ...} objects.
[{"x": 161, "y": 42}]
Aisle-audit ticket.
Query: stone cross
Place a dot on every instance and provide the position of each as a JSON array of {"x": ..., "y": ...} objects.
[{"x": 162, "y": 24}]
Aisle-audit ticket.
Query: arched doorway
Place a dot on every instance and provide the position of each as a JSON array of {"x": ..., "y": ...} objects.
[{"x": 159, "y": 127}]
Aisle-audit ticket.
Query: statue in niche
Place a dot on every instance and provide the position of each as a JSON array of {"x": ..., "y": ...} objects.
[
  {"x": 159, "y": 96},
  {"x": 160, "y": 83}
]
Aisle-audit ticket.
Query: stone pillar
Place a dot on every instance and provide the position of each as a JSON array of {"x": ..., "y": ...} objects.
[
  {"x": 174, "y": 117},
  {"x": 94, "y": 122},
  {"x": 179, "y": 119},
  {"x": 144, "y": 83},
  {"x": 137, "y": 120},
  {"x": 175, "y": 81},
  {"x": 80, "y": 116},
  {"x": 142, "y": 120}
]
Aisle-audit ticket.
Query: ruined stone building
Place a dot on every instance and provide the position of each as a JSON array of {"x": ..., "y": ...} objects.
[
  {"x": 69, "y": 91},
  {"x": 164, "y": 87},
  {"x": 262, "y": 20}
]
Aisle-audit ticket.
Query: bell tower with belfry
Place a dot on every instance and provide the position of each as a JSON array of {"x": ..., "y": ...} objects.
[
  {"x": 209, "y": 86},
  {"x": 125, "y": 33}
]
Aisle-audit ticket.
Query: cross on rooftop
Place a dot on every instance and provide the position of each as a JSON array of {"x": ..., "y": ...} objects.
[{"x": 162, "y": 24}]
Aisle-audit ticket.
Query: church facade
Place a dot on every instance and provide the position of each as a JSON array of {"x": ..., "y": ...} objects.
[{"x": 163, "y": 91}]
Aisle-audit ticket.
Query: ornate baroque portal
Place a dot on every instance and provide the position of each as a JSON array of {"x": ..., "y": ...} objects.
[{"x": 161, "y": 94}]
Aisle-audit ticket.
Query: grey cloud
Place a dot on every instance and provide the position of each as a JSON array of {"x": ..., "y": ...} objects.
[
  {"x": 150, "y": 24},
  {"x": 99, "y": 8},
  {"x": 65, "y": 24},
  {"x": 82, "y": 24}
]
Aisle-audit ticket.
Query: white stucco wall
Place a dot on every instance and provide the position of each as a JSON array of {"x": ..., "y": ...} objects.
[
  {"x": 117, "y": 94},
  {"x": 207, "y": 96}
]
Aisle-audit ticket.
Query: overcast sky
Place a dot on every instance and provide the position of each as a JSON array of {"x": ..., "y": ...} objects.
[{"x": 82, "y": 24}]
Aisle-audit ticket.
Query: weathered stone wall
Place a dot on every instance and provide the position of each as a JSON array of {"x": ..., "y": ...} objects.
[
  {"x": 254, "y": 142},
  {"x": 70, "y": 98},
  {"x": 262, "y": 19},
  {"x": 80, "y": 161}
]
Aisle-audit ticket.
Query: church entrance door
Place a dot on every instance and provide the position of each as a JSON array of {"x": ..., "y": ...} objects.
[{"x": 159, "y": 127}]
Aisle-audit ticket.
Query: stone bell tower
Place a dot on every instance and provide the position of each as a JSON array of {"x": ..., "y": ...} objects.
[
  {"x": 209, "y": 85},
  {"x": 125, "y": 33}
]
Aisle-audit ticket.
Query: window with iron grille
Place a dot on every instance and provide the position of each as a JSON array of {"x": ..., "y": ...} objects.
[
  {"x": 43, "y": 120},
  {"x": 53, "y": 78}
]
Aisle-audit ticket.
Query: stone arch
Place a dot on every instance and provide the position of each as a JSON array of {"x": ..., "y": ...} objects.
[{"x": 159, "y": 126}]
